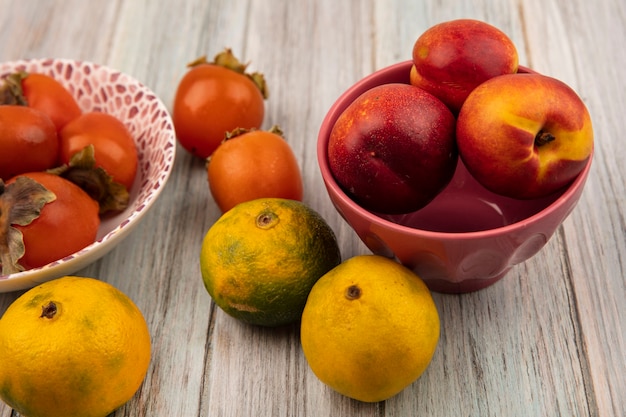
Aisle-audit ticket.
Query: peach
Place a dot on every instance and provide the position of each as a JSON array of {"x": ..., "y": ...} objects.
[
  {"x": 524, "y": 135},
  {"x": 392, "y": 149},
  {"x": 452, "y": 58}
]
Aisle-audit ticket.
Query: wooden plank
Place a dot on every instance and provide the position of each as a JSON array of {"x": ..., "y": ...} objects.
[{"x": 596, "y": 232}]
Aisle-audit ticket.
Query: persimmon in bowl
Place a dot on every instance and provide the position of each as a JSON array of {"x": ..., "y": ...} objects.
[
  {"x": 467, "y": 237},
  {"x": 97, "y": 88}
]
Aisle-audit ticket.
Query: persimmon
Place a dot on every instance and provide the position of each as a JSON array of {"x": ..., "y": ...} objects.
[
  {"x": 253, "y": 164},
  {"x": 214, "y": 98},
  {"x": 43, "y": 218},
  {"x": 28, "y": 141},
  {"x": 41, "y": 92},
  {"x": 114, "y": 146}
]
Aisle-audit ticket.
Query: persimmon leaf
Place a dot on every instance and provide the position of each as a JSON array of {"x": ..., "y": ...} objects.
[
  {"x": 95, "y": 181},
  {"x": 21, "y": 202}
]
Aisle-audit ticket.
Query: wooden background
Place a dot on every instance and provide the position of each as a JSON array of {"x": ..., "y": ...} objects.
[{"x": 548, "y": 340}]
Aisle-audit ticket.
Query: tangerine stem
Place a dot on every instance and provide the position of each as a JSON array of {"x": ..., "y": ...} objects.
[
  {"x": 49, "y": 310},
  {"x": 266, "y": 220},
  {"x": 353, "y": 292}
]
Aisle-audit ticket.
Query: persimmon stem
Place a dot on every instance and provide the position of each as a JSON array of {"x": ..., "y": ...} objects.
[
  {"x": 95, "y": 181},
  {"x": 227, "y": 59},
  {"x": 543, "y": 138},
  {"x": 11, "y": 91}
]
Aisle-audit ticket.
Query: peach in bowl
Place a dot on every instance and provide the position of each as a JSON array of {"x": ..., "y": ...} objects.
[
  {"x": 467, "y": 237},
  {"x": 97, "y": 88}
]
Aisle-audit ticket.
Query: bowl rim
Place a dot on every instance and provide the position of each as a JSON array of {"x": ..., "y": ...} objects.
[{"x": 370, "y": 81}]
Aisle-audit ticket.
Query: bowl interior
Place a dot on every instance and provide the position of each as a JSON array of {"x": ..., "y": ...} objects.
[{"x": 466, "y": 206}]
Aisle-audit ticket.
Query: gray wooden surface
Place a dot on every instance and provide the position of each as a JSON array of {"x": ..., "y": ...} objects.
[{"x": 548, "y": 340}]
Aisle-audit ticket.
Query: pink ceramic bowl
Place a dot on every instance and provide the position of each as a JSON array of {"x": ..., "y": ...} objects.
[{"x": 467, "y": 238}]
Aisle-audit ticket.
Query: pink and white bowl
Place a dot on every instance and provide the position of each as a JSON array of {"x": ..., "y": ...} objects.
[
  {"x": 99, "y": 88},
  {"x": 467, "y": 238}
]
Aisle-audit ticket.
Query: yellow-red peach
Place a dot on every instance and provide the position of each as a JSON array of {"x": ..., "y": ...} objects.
[{"x": 524, "y": 135}]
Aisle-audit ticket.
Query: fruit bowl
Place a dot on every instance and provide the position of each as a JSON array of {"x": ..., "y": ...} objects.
[
  {"x": 464, "y": 240},
  {"x": 98, "y": 88}
]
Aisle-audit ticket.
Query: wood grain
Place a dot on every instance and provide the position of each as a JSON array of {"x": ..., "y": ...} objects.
[{"x": 547, "y": 340}]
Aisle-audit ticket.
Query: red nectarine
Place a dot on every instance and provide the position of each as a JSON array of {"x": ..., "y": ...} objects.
[
  {"x": 393, "y": 149},
  {"x": 452, "y": 58}
]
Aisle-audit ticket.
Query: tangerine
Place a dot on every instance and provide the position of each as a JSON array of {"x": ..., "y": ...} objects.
[
  {"x": 261, "y": 258},
  {"x": 72, "y": 347}
]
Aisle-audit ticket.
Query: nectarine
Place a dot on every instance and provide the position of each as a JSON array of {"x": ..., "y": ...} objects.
[
  {"x": 524, "y": 135},
  {"x": 393, "y": 149},
  {"x": 452, "y": 58}
]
